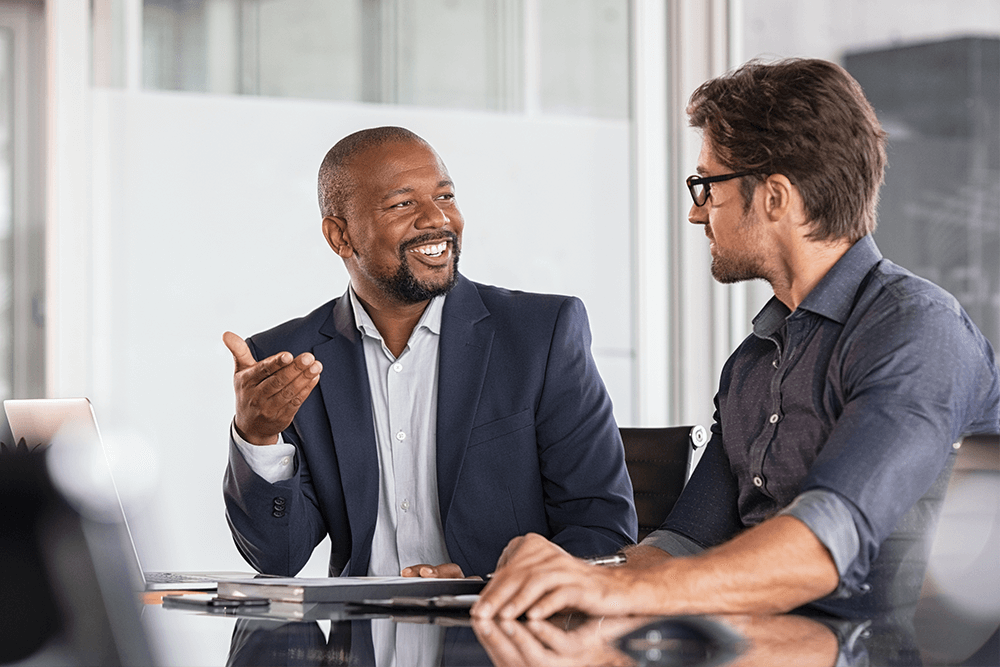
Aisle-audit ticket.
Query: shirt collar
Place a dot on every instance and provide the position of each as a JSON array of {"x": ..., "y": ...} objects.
[
  {"x": 833, "y": 296},
  {"x": 430, "y": 320}
]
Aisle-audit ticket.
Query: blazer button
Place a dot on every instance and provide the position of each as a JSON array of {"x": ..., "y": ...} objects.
[
  {"x": 277, "y": 514},
  {"x": 279, "y": 501}
]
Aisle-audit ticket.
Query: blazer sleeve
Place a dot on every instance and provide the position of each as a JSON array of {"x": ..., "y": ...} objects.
[
  {"x": 275, "y": 526},
  {"x": 588, "y": 493}
]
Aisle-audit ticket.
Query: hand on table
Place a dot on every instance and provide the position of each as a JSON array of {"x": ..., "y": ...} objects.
[
  {"x": 445, "y": 571},
  {"x": 537, "y": 578},
  {"x": 269, "y": 392}
]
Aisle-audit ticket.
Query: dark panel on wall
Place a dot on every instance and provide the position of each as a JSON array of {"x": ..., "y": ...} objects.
[{"x": 939, "y": 214}]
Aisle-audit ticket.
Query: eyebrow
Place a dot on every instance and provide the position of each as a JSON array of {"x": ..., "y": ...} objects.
[{"x": 404, "y": 191}]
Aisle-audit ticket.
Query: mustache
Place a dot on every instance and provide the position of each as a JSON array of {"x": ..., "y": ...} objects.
[{"x": 429, "y": 237}]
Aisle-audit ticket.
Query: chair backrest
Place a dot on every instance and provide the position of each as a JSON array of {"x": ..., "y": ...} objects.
[{"x": 657, "y": 460}]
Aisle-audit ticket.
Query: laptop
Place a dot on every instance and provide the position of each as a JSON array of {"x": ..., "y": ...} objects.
[{"x": 71, "y": 422}]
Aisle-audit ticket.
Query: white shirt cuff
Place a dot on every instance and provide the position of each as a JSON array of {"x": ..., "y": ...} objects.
[{"x": 274, "y": 463}]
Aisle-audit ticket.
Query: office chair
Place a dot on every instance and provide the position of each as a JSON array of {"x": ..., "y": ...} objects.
[{"x": 657, "y": 460}]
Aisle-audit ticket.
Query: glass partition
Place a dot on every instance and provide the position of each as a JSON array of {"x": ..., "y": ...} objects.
[
  {"x": 932, "y": 72},
  {"x": 556, "y": 56},
  {"x": 6, "y": 215}
]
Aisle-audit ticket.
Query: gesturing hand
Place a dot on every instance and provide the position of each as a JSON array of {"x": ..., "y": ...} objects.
[{"x": 269, "y": 392}]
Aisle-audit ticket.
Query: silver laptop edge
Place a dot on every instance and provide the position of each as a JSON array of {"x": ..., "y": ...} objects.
[{"x": 38, "y": 420}]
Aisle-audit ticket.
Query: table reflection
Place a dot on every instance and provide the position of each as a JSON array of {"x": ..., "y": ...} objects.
[
  {"x": 575, "y": 641},
  {"x": 416, "y": 641}
]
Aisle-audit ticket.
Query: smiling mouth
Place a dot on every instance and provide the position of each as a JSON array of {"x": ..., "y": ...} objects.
[{"x": 431, "y": 249}]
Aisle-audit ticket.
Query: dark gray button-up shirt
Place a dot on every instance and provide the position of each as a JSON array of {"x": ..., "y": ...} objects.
[{"x": 848, "y": 406}]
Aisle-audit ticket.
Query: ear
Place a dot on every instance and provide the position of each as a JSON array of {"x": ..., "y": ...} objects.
[
  {"x": 779, "y": 196},
  {"x": 335, "y": 231}
]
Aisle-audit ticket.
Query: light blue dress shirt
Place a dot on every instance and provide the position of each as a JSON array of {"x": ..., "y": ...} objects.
[{"x": 404, "y": 394}]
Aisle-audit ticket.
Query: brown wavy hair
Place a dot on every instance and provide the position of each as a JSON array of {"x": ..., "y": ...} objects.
[{"x": 808, "y": 120}]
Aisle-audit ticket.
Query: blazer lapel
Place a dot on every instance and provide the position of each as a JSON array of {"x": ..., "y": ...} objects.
[
  {"x": 347, "y": 398},
  {"x": 466, "y": 338}
]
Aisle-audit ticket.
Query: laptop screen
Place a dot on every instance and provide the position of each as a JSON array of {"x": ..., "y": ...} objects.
[{"x": 77, "y": 460}]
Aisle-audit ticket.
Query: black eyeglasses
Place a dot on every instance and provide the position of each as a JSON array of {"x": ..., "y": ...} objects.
[{"x": 701, "y": 186}]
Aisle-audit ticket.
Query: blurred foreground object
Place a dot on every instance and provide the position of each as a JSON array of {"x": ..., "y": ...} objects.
[
  {"x": 958, "y": 620},
  {"x": 66, "y": 597}
]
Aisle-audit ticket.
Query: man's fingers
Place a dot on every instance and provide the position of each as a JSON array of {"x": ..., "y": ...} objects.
[
  {"x": 516, "y": 594},
  {"x": 562, "y": 597},
  {"x": 526, "y": 596},
  {"x": 524, "y": 559},
  {"x": 278, "y": 373},
  {"x": 240, "y": 351},
  {"x": 444, "y": 571},
  {"x": 413, "y": 570},
  {"x": 448, "y": 571},
  {"x": 270, "y": 392},
  {"x": 508, "y": 551},
  {"x": 281, "y": 407}
]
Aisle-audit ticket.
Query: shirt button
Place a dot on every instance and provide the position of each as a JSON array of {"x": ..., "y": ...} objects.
[
  {"x": 775, "y": 363},
  {"x": 758, "y": 482},
  {"x": 285, "y": 461},
  {"x": 397, "y": 367},
  {"x": 405, "y": 505},
  {"x": 400, "y": 436},
  {"x": 774, "y": 419}
]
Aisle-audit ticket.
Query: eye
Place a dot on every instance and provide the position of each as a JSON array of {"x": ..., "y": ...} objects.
[
  {"x": 448, "y": 196},
  {"x": 402, "y": 204}
]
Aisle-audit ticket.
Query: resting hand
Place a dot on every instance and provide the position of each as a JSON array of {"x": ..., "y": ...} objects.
[
  {"x": 269, "y": 392},
  {"x": 445, "y": 571},
  {"x": 537, "y": 578}
]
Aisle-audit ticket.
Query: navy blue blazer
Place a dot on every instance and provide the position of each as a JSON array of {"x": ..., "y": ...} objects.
[{"x": 526, "y": 440}]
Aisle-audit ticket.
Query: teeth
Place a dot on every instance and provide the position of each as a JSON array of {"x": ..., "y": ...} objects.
[{"x": 432, "y": 250}]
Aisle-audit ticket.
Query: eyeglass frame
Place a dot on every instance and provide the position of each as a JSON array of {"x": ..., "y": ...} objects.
[{"x": 694, "y": 181}]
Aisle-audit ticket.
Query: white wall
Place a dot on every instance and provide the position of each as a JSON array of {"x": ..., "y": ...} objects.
[{"x": 205, "y": 219}]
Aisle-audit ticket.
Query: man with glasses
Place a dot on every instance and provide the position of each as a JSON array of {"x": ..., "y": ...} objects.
[{"x": 833, "y": 419}]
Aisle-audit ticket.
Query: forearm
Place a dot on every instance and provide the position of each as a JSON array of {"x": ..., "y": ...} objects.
[
  {"x": 771, "y": 568},
  {"x": 275, "y": 525},
  {"x": 641, "y": 556}
]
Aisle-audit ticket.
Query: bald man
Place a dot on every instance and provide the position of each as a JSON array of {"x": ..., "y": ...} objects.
[{"x": 420, "y": 420}]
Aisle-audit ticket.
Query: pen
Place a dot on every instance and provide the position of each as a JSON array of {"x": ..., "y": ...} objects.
[{"x": 613, "y": 559}]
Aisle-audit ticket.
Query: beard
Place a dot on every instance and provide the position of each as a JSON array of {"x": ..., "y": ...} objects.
[
  {"x": 744, "y": 263},
  {"x": 405, "y": 287}
]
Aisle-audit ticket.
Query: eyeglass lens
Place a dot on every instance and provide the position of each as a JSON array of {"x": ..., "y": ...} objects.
[{"x": 699, "y": 191}]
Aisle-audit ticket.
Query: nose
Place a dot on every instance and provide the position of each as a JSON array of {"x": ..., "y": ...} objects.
[
  {"x": 698, "y": 215},
  {"x": 432, "y": 215}
]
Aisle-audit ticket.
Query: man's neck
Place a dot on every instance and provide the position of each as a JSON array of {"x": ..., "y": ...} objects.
[
  {"x": 394, "y": 321},
  {"x": 802, "y": 264}
]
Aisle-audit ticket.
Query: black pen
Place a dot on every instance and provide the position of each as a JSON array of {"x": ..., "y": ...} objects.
[{"x": 613, "y": 559}]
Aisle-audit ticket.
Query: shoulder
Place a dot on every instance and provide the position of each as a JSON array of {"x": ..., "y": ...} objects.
[
  {"x": 892, "y": 284},
  {"x": 905, "y": 322},
  {"x": 505, "y": 303},
  {"x": 908, "y": 303},
  {"x": 296, "y": 335}
]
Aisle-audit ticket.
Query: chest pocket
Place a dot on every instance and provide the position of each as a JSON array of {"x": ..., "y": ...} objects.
[{"x": 501, "y": 427}]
